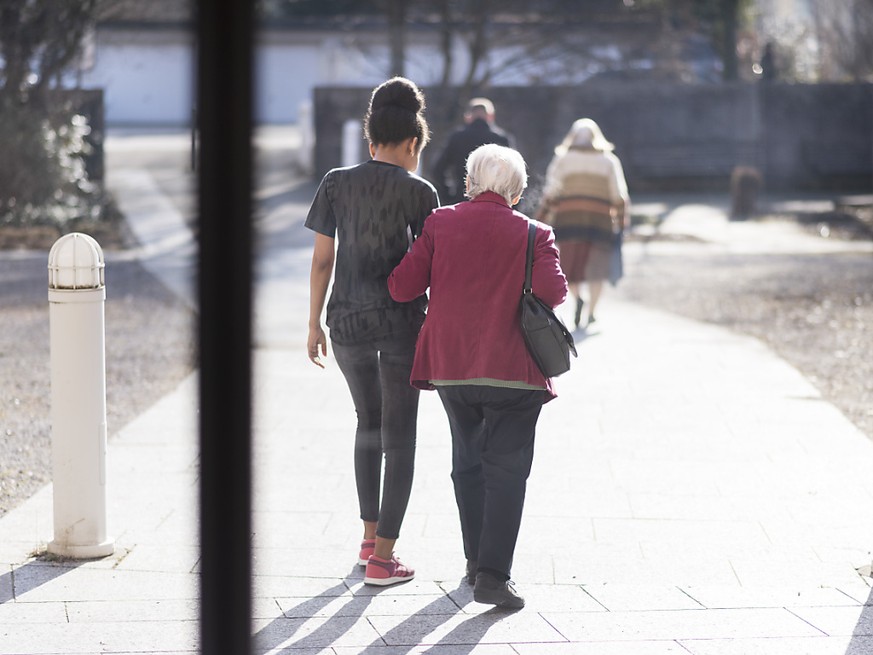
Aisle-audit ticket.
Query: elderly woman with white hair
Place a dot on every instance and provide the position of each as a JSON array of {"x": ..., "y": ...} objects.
[
  {"x": 585, "y": 199},
  {"x": 471, "y": 350}
]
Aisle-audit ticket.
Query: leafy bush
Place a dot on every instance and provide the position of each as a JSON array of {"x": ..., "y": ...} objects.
[{"x": 43, "y": 180}]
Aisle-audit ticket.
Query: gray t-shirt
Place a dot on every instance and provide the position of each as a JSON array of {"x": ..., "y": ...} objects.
[{"x": 373, "y": 210}]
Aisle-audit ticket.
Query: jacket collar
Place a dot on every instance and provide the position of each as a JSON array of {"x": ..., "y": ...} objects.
[{"x": 490, "y": 196}]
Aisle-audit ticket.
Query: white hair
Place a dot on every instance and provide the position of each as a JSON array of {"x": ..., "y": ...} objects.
[
  {"x": 498, "y": 169},
  {"x": 584, "y": 134}
]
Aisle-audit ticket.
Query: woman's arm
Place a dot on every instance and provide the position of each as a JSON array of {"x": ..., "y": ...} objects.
[
  {"x": 411, "y": 277},
  {"x": 548, "y": 281},
  {"x": 319, "y": 279}
]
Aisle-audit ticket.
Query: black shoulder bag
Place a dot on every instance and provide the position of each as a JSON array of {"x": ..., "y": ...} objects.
[{"x": 548, "y": 339}]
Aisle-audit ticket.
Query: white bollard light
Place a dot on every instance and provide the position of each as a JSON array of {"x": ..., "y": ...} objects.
[{"x": 78, "y": 381}]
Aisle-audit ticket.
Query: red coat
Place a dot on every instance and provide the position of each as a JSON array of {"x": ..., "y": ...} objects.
[{"x": 472, "y": 257}]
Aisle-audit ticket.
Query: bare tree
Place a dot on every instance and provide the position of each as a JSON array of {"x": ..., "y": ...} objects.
[
  {"x": 42, "y": 174},
  {"x": 39, "y": 39},
  {"x": 845, "y": 37}
]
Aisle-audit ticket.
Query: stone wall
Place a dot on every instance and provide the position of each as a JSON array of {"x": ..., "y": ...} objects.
[{"x": 668, "y": 137}]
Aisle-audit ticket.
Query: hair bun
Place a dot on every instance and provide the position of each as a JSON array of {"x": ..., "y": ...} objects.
[{"x": 398, "y": 92}]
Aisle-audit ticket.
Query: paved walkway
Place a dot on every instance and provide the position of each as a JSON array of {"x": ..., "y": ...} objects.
[{"x": 691, "y": 493}]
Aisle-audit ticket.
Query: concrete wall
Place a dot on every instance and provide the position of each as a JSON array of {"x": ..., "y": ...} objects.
[{"x": 667, "y": 136}]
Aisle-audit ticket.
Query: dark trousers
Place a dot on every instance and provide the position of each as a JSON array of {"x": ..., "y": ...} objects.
[
  {"x": 387, "y": 409},
  {"x": 492, "y": 451}
]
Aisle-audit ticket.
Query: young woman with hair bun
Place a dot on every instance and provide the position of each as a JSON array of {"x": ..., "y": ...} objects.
[{"x": 364, "y": 218}]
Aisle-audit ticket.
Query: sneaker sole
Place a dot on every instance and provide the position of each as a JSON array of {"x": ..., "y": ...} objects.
[
  {"x": 384, "y": 582},
  {"x": 362, "y": 562}
]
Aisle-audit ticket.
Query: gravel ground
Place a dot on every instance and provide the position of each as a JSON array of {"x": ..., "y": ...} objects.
[
  {"x": 816, "y": 311},
  {"x": 149, "y": 350}
]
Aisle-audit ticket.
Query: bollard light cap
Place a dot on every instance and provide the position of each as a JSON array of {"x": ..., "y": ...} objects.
[{"x": 76, "y": 262}]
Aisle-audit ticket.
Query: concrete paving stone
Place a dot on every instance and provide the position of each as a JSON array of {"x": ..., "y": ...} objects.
[
  {"x": 30, "y": 524},
  {"x": 479, "y": 649},
  {"x": 432, "y": 526},
  {"x": 276, "y": 529},
  {"x": 662, "y": 647},
  {"x": 644, "y": 571},
  {"x": 59, "y": 584},
  {"x": 666, "y": 476},
  {"x": 857, "y": 556},
  {"x": 126, "y": 637},
  {"x": 618, "y": 597},
  {"x": 265, "y": 608},
  {"x": 555, "y": 532},
  {"x": 583, "y": 501},
  {"x": 776, "y": 573},
  {"x": 591, "y": 474},
  {"x": 680, "y": 531},
  {"x": 703, "y": 507},
  {"x": 781, "y": 646},
  {"x": 170, "y": 558},
  {"x": 859, "y": 591},
  {"x": 445, "y": 566},
  {"x": 532, "y": 566},
  {"x": 492, "y": 627},
  {"x": 118, "y": 611},
  {"x": 853, "y": 503},
  {"x": 417, "y": 586},
  {"x": 680, "y": 625},
  {"x": 402, "y": 605},
  {"x": 797, "y": 595},
  {"x": 851, "y": 534},
  {"x": 788, "y": 553},
  {"x": 7, "y": 589},
  {"x": 686, "y": 445},
  {"x": 274, "y": 586},
  {"x": 130, "y": 466},
  {"x": 13, "y": 553},
  {"x": 283, "y": 634},
  {"x": 304, "y": 562},
  {"x": 538, "y": 598},
  {"x": 839, "y": 621},
  {"x": 14, "y": 613}
]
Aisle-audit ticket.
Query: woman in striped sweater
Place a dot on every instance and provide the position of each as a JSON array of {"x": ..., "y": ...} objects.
[{"x": 585, "y": 199}]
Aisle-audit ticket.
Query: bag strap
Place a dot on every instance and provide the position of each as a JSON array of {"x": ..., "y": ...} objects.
[{"x": 528, "y": 272}]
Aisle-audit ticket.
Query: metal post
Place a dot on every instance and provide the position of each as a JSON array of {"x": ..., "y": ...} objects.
[
  {"x": 78, "y": 387},
  {"x": 224, "y": 108},
  {"x": 353, "y": 139}
]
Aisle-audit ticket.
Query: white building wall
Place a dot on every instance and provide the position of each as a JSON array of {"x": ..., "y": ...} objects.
[
  {"x": 148, "y": 79},
  {"x": 148, "y": 76}
]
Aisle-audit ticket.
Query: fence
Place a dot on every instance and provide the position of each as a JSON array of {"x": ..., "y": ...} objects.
[{"x": 668, "y": 136}]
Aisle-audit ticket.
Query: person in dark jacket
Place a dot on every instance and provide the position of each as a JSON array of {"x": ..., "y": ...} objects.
[
  {"x": 449, "y": 169},
  {"x": 471, "y": 350}
]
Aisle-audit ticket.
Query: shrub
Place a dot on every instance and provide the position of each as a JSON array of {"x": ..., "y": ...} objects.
[{"x": 43, "y": 180}]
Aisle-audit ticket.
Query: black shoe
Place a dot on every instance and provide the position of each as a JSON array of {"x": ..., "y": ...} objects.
[
  {"x": 472, "y": 565},
  {"x": 492, "y": 591},
  {"x": 577, "y": 317}
]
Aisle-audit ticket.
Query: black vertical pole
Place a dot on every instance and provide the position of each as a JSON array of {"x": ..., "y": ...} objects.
[{"x": 224, "y": 108}]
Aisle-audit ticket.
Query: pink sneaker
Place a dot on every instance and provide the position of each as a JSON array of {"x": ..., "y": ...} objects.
[
  {"x": 384, "y": 572},
  {"x": 368, "y": 546}
]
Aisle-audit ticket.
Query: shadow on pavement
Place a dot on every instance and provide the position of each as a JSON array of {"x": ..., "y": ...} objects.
[
  {"x": 404, "y": 637},
  {"x": 280, "y": 632},
  {"x": 862, "y": 635},
  {"x": 30, "y": 576}
]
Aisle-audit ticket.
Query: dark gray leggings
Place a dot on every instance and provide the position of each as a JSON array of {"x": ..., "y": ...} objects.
[{"x": 387, "y": 407}]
